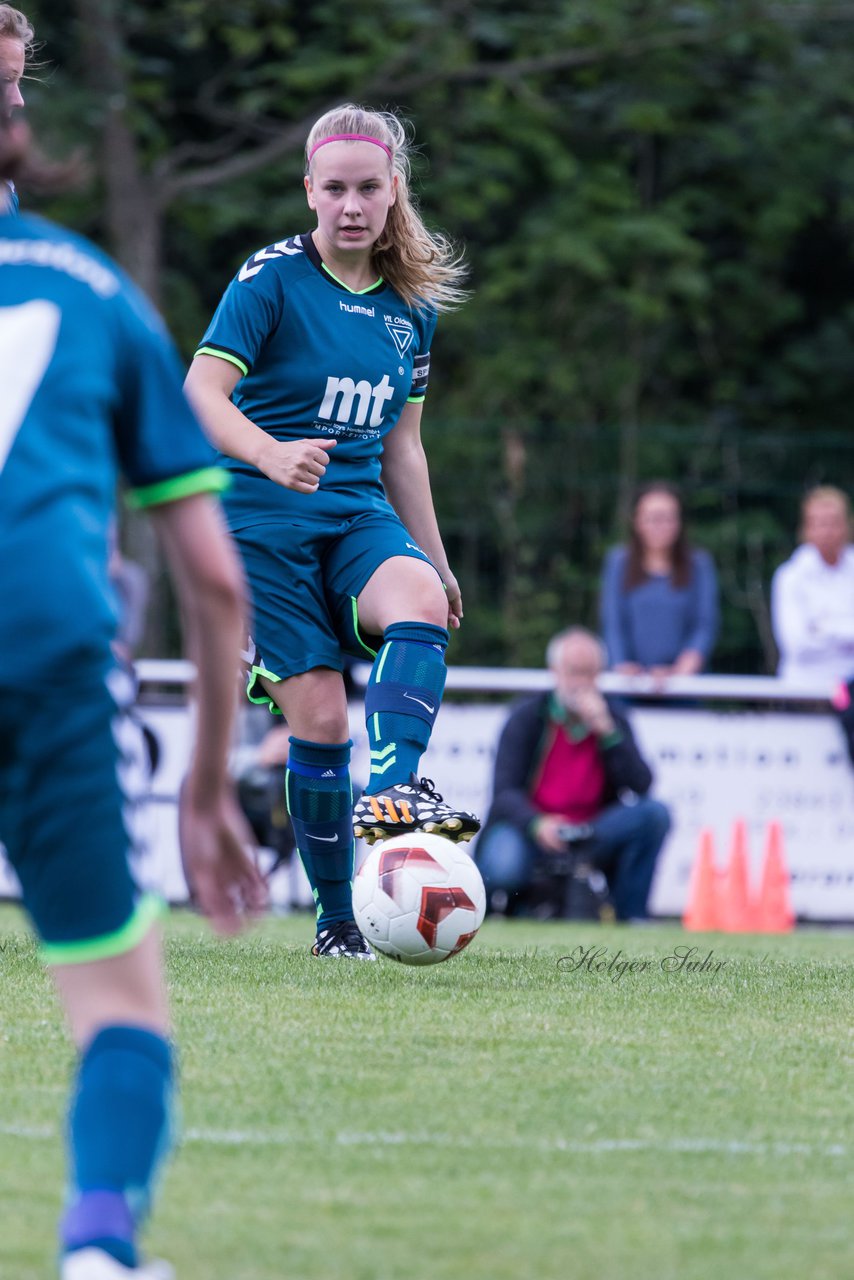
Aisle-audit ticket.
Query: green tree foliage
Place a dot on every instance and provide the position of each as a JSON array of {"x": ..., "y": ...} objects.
[{"x": 656, "y": 201}]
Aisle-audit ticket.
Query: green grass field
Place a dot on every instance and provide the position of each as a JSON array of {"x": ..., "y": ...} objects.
[{"x": 498, "y": 1117}]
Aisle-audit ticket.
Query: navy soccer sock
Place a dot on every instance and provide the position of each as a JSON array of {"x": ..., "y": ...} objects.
[
  {"x": 119, "y": 1130},
  {"x": 402, "y": 700},
  {"x": 320, "y": 804}
]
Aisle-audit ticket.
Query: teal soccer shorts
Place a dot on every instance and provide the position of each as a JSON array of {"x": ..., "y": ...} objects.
[
  {"x": 305, "y": 579},
  {"x": 63, "y": 814}
]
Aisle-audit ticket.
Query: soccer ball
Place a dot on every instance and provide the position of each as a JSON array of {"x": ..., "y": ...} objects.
[{"x": 419, "y": 898}]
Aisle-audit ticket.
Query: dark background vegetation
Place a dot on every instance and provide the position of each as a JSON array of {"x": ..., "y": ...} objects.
[{"x": 657, "y": 202}]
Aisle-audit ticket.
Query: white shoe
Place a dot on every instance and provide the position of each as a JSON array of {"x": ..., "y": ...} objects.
[{"x": 94, "y": 1264}]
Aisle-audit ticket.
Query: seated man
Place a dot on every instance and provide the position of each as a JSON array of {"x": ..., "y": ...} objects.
[{"x": 565, "y": 758}]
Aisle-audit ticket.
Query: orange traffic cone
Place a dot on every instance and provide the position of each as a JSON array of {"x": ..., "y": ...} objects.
[
  {"x": 774, "y": 910},
  {"x": 701, "y": 910},
  {"x": 736, "y": 913}
]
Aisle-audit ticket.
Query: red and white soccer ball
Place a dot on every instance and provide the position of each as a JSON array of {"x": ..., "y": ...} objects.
[{"x": 419, "y": 898}]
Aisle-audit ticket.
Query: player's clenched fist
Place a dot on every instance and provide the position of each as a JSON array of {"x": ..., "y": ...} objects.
[{"x": 297, "y": 464}]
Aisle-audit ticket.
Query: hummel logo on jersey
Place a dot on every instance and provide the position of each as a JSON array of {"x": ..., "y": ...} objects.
[
  {"x": 421, "y": 703},
  {"x": 402, "y": 337},
  {"x": 281, "y": 249},
  {"x": 341, "y": 393},
  {"x": 356, "y": 308}
]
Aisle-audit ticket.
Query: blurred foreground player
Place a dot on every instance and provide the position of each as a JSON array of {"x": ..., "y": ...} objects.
[
  {"x": 16, "y": 43},
  {"x": 89, "y": 380}
]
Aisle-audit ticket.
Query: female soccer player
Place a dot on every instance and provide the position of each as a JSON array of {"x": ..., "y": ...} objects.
[
  {"x": 311, "y": 379},
  {"x": 88, "y": 376}
]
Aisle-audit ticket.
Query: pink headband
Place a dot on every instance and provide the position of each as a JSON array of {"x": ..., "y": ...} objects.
[{"x": 349, "y": 137}]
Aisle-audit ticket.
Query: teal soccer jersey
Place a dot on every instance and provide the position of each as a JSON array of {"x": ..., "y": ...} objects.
[
  {"x": 90, "y": 385},
  {"x": 318, "y": 361}
]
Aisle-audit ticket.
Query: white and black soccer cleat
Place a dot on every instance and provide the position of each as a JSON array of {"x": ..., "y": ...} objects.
[
  {"x": 95, "y": 1264},
  {"x": 342, "y": 941},
  {"x": 411, "y": 806}
]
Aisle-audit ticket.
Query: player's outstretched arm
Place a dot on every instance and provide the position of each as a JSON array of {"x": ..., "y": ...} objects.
[{"x": 215, "y": 838}]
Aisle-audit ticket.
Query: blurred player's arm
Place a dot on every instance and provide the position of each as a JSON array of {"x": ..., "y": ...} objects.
[
  {"x": 209, "y": 584},
  {"x": 294, "y": 464},
  {"x": 406, "y": 479}
]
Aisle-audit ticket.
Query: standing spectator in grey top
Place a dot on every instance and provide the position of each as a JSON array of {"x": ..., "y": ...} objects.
[{"x": 659, "y": 598}]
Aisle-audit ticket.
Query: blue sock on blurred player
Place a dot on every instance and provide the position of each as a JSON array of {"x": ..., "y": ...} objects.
[
  {"x": 402, "y": 700},
  {"x": 119, "y": 1132},
  {"x": 320, "y": 803}
]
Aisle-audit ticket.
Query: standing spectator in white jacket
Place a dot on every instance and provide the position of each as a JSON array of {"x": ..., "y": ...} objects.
[{"x": 812, "y": 596}]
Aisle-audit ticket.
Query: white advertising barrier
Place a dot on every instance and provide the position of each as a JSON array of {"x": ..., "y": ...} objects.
[{"x": 711, "y": 768}]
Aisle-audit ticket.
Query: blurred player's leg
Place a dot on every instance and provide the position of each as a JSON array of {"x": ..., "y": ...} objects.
[
  {"x": 65, "y": 823},
  {"x": 119, "y": 1127}
]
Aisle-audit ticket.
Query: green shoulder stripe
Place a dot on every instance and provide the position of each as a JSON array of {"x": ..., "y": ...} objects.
[
  {"x": 149, "y": 909},
  {"x": 206, "y": 480}
]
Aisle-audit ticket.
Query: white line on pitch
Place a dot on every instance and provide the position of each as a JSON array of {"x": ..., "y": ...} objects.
[{"x": 596, "y": 1146}]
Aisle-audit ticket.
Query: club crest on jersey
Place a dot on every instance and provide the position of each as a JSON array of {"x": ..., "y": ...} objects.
[{"x": 402, "y": 336}]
